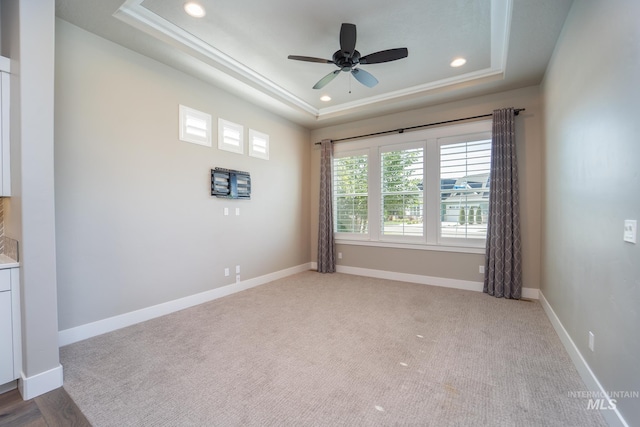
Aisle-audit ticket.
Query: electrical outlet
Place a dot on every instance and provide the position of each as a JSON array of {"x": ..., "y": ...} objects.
[
  {"x": 237, "y": 211},
  {"x": 226, "y": 272},
  {"x": 237, "y": 278},
  {"x": 481, "y": 269},
  {"x": 630, "y": 228},
  {"x": 225, "y": 211},
  {"x": 592, "y": 339},
  {"x": 339, "y": 255},
  {"x": 237, "y": 269}
]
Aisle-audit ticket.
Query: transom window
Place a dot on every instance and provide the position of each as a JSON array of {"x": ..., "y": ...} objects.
[{"x": 427, "y": 188}]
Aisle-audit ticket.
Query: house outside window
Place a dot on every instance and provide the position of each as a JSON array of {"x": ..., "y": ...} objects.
[{"x": 465, "y": 203}]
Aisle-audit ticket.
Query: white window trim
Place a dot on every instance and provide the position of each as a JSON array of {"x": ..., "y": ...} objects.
[
  {"x": 479, "y": 243},
  {"x": 186, "y": 133},
  {"x": 224, "y": 125},
  {"x": 387, "y": 149},
  {"x": 350, "y": 153},
  {"x": 253, "y": 152},
  {"x": 431, "y": 139},
  {"x": 345, "y": 240}
]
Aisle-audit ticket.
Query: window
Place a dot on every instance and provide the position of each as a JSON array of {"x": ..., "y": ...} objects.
[
  {"x": 195, "y": 126},
  {"x": 426, "y": 189},
  {"x": 350, "y": 194},
  {"x": 258, "y": 144},
  {"x": 230, "y": 136},
  {"x": 464, "y": 189},
  {"x": 402, "y": 198}
]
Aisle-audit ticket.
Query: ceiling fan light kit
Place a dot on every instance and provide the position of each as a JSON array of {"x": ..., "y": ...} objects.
[{"x": 348, "y": 59}]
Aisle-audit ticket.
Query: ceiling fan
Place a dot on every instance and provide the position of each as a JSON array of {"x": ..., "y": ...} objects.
[{"x": 348, "y": 58}]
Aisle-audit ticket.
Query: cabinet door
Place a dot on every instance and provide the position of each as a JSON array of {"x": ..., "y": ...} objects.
[
  {"x": 6, "y": 339},
  {"x": 5, "y": 162}
]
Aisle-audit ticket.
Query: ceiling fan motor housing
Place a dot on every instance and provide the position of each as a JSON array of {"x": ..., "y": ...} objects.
[{"x": 346, "y": 63}]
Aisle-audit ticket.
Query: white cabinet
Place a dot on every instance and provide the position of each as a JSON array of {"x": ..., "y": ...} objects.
[
  {"x": 6, "y": 338},
  {"x": 5, "y": 170},
  {"x": 10, "y": 351}
]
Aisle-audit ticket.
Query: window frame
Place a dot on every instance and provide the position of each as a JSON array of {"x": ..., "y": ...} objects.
[
  {"x": 233, "y": 127},
  {"x": 467, "y": 138},
  {"x": 353, "y": 153},
  {"x": 431, "y": 140},
  {"x": 190, "y": 133},
  {"x": 254, "y": 149},
  {"x": 394, "y": 148}
]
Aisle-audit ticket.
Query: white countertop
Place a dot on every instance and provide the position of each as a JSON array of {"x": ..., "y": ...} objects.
[{"x": 6, "y": 262}]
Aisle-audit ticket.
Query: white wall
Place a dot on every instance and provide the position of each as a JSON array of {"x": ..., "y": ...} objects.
[
  {"x": 591, "y": 277},
  {"x": 136, "y": 225},
  {"x": 451, "y": 265}
]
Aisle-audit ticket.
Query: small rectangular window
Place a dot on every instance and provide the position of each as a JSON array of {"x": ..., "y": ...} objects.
[
  {"x": 258, "y": 144},
  {"x": 230, "y": 136},
  {"x": 195, "y": 126}
]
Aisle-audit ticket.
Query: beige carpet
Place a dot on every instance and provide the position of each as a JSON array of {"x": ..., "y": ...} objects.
[{"x": 332, "y": 350}]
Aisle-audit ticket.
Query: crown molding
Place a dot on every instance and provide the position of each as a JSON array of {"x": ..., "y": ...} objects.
[{"x": 135, "y": 14}]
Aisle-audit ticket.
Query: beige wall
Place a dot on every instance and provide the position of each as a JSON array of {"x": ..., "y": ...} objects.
[
  {"x": 591, "y": 277},
  {"x": 28, "y": 31},
  {"x": 450, "y": 265},
  {"x": 135, "y": 223}
]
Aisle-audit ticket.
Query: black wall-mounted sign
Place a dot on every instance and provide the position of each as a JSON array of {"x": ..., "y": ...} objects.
[{"x": 230, "y": 184}]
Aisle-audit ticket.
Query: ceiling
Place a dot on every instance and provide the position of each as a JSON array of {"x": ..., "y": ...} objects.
[{"x": 242, "y": 46}]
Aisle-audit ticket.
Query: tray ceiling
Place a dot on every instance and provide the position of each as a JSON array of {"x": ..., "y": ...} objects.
[{"x": 243, "y": 47}]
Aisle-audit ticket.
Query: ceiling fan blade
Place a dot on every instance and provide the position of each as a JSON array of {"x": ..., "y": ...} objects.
[
  {"x": 326, "y": 79},
  {"x": 348, "y": 39},
  {"x": 364, "y": 77},
  {"x": 385, "y": 56},
  {"x": 310, "y": 59}
]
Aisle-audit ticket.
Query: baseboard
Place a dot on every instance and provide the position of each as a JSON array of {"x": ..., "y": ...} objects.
[
  {"x": 444, "y": 282},
  {"x": 41, "y": 383},
  {"x": 611, "y": 416},
  {"x": 82, "y": 332}
]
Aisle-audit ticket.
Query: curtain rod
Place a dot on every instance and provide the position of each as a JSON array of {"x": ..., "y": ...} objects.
[{"x": 401, "y": 130}]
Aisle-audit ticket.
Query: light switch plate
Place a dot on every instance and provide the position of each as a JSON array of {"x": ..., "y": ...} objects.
[{"x": 630, "y": 230}]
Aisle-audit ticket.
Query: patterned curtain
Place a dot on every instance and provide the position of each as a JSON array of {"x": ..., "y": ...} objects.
[
  {"x": 503, "y": 265},
  {"x": 326, "y": 243}
]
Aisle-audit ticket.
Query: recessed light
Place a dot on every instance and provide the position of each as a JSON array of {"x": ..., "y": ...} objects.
[
  {"x": 325, "y": 98},
  {"x": 194, "y": 9},
  {"x": 458, "y": 62}
]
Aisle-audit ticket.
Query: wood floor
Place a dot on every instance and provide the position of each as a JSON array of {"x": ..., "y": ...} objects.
[{"x": 51, "y": 409}]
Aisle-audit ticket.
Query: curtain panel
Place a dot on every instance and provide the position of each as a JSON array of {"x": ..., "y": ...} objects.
[
  {"x": 503, "y": 265},
  {"x": 326, "y": 242}
]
